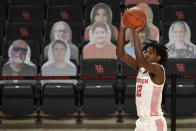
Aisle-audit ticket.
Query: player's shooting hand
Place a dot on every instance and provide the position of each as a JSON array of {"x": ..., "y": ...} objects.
[
  {"x": 139, "y": 29},
  {"x": 122, "y": 24}
]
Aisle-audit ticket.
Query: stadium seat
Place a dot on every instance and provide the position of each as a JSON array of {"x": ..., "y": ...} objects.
[
  {"x": 1, "y": 60},
  {"x": 129, "y": 100},
  {"x": 1, "y": 33},
  {"x": 24, "y": 31},
  {"x": 99, "y": 67},
  {"x": 128, "y": 71},
  {"x": 1, "y": 50},
  {"x": 182, "y": 67},
  {"x": 18, "y": 99},
  {"x": 31, "y": 20},
  {"x": 64, "y": 13},
  {"x": 98, "y": 95},
  {"x": 178, "y": 2},
  {"x": 194, "y": 105},
  {"x": 65, "y": 2},
  {"x": 2, "y": 15},
  {"x": 129, "y": 92},
  {"x": 176, "y": 12},
  {"x": 185, "y": 88},
  {"x": 185, "y": 100},
  {"x": 5, "y": 3},
  {"x": 127, "y": 2},
  {"x": 99, "y": 100},
  {"x": 109, "y": 2},
  {"x": 28, "y": 2},
  {"x": 26, "y": 14},
  {"x": 58, "y": 99}
]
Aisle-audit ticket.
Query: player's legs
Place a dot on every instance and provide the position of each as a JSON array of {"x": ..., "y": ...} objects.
[
  {"x": 160, "y": 124},
  {"x": 143, "y": 125},
  {"x": 151, "y": 125}
]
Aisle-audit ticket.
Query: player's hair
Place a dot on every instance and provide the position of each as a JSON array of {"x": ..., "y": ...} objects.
[{"x": 161, "y": 50}]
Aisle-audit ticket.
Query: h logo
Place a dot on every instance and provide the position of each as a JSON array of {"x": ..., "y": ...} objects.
[
  {"x": 24, "y": 32},
  {"x": 180, "y": 15},
  {"x": 99, "y": 68},
  {"x": 64, "y": 15},
  {"x": 26, "y": 15},
  {"x": 180, "y": 67}
]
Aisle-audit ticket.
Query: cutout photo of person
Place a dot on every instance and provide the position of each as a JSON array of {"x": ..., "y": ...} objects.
[
  {"x": 154, "y": 31},
  {"x": 101, "y": 12},
  {"x": 179, "y": 45},
  {"x": 144, "y": 37},
  {"x": 19, "y": 63},
  {"x": 100, "y": 45},
  {"x": 59, "y": 63},
  {"x": 62, "y": 31}
]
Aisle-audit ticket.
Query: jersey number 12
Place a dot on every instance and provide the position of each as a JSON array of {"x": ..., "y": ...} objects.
[{"x": 139, "y": 90}]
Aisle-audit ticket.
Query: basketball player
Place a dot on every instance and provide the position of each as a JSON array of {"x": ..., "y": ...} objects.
[{"x": 150, "y": 80}]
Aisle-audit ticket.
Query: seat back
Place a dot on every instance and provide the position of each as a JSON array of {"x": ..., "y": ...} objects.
[
  {"x": 58, "y": 99},
  {"x": 1, "y": 34},
  {"x": 98, "y": 94},
  {"x": 98, "y": 100},
  {"x": 2, "y": 15},
  {"x": 64, "y": 13},
  {"x": 178, "y": 2},
  {"x": 99, "y": 67},
  {"x": 24, "y": 31},
  {"x": 185, "y": 100},
  {"x": 109, "y": 2},
  {"x": 178, "y": 12},
  {"x": 128, "y": 71},
  {"x": 18, "y": 100},
  {"x": 28, "y": 2},
  {"x": 182, "y": 67},
  {"x": 153, "y": 2},
  {"x": 185, "y": 88},
  {"x": 65, "y": 2},
  {"x": 129, "y": 91},
  {"x": 26, "y": 14},
  {"x": 129, "y": 100}
]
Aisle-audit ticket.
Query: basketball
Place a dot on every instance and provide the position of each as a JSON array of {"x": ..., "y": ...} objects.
[{"x": 134, "y": 18}]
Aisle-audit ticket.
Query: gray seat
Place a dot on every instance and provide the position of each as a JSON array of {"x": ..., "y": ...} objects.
[
  {"x": 185, "y": 88},
  {"x": 99, "y": 94}
]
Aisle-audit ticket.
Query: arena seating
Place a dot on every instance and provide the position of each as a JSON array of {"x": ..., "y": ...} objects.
[
  {"x": 26, "y": 14},
  {"x": 31, "y": 20},
  {"x": 99, "y": 95}
]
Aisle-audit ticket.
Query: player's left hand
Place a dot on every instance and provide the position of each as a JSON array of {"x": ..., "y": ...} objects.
[
  {"x": 122, "y": 24},
  {"x": 139, "y": 29}
]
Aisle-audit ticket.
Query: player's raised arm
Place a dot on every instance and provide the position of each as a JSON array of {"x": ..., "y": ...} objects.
[
  {"x": 150, "y": 56},
  {"x": 120, "y": 48}
]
